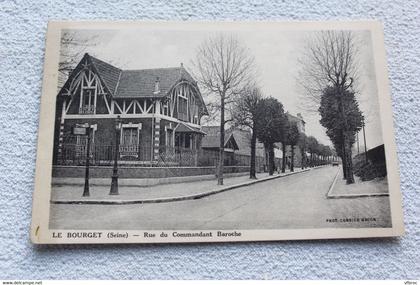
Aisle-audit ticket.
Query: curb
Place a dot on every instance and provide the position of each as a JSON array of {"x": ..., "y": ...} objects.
[
  {"x": 174, "y": 199},
  {"x": 139, "y": 182},
  {"x": 333, "y": 184},
  {"x": 350, "y": 196}
]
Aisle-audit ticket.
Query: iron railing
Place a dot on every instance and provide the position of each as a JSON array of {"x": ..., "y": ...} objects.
[
  {"x": 177, "y": 156},
  {"x": 100, "y": 154},
  {"x": 144, "y": 155}
]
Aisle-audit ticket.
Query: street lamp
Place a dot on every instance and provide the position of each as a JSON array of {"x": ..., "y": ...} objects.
[
  {"x": 114, "y": 182},
  {"x": 86, "y": 129}
]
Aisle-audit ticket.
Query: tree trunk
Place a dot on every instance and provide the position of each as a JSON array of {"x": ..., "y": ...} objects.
[
  {"x": 252, "y": 172},
  {"x": 222, "y": 142},
  {"x": 270, "y": 159},
  {"x": 344, "y": 163},
  {"x": 283, "y": 164},
  {"x": 349, "y": 165},
  {"x": 302, "y": 166},
  {"x": 292, "y": 162}
]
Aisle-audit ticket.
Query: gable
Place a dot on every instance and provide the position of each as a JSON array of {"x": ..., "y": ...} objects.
[
  {"x": 107, "y": 74},
  {"x": 243, "y": 139},
  {"x": 212, "y": 139}
]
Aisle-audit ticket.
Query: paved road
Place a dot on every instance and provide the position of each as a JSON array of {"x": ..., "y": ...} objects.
[{"x": 293, "y": 202}]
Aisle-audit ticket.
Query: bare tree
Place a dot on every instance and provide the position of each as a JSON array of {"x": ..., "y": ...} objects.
[
  {"x": 223, "y": 68},
  {"x": 330, "y": 63},
  {"x": 329, "y": 60},
  {"x": 246, "y": 114},
  {"x": 73, "y": 45}
]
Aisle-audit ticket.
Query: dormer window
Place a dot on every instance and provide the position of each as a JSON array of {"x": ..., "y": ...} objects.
[{"x": 87, "y": 99}]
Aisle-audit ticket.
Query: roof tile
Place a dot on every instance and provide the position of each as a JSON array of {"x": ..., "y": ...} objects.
[{"x": 139, "y": 83}]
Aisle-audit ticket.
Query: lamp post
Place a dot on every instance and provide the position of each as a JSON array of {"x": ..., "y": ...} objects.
[
  {"x": 114, "y": 182},
  {"x": 86, "y": 188}
]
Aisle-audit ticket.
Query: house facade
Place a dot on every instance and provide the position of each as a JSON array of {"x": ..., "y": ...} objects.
[
  {"x": 298, "y": 120},
  {"x": 160, "y": 110}
]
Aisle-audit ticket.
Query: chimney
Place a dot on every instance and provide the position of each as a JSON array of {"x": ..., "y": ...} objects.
[
  {"x": 181, "y": 71},
  {"x": 157, "y": 88}
]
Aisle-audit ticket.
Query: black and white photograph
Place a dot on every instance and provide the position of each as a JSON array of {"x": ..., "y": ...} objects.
[{"x": 200, "y": 132}]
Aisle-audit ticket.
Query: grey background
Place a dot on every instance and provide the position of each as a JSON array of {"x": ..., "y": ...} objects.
[{"x": 22, "y": 34}]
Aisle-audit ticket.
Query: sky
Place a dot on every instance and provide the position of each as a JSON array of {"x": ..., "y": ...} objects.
[{"x": 276, "y": 55}]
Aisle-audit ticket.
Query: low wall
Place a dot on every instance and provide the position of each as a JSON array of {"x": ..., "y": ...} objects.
[{"x": 141, "y": 172}]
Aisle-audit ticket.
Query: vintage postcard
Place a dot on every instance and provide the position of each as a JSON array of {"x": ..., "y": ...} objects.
[{"x": 161, "y": 132}]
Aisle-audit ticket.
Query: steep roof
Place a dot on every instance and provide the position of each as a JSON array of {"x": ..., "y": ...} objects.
[
  {"x": 212, "y": 139},
  {"x": 243, "y": 139},
  {"x": 211, "y": 130},
  {"x": 134, "y": 83},
  {"x": 141, "y": 83},
  {"x": 108, "y": 73}
]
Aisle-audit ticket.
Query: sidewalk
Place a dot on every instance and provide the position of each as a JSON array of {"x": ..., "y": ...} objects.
[
  {"x": 137, "y": 182},
  {"x": 70, "y": 194},
  {"x": 373, "y": 188}
]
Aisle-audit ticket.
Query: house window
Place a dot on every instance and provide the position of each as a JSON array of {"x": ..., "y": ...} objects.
[
  {"x": 130, "y": 136},
  {"x": 129, "y": 140},
  {"x": 87, "y": 105},
  {"x": 182, "y": 108},
  {"x": 81, "y": 142},
  {"x": 182, "y": 140}
]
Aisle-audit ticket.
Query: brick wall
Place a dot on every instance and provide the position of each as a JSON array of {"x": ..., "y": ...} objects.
[{"x": 105, "y": 133}]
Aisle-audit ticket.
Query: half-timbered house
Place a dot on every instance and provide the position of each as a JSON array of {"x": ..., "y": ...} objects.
[{"x": 160, "y": 111}]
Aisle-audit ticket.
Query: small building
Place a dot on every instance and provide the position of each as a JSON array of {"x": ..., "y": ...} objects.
[
  {"x": 160, "y": 109},
  {"x": 237, "y": 149},
  {"x": 210, "y": 145},
  {"x": 243, "y": 155}
]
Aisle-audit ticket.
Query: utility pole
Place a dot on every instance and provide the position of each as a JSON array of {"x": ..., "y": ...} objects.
[
  {"x": 364, "y": 139},
  {"x": 357, "y": 138}
]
